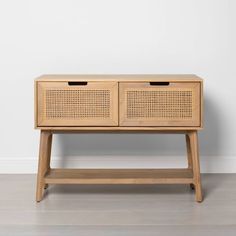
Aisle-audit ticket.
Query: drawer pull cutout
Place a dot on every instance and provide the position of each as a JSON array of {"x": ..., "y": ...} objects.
[
  {"x": 77, "y": 83},
  {"x": 159, "y": 83}
]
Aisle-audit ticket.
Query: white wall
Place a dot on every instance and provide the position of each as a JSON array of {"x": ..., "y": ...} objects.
[{"x": 117, "y": 36}]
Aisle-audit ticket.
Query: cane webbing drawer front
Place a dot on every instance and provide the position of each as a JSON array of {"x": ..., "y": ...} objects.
[
  {"x": 77, "y": 103},
  {"x": 160, "y": 104}
]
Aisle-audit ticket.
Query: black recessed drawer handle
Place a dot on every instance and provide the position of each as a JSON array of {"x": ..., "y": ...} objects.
[
  {"x": 77, "y": 83},
  {"x": 159, "y": 83}
]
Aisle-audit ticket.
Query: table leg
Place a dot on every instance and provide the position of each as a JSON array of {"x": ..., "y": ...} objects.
[
  {"x": 193, "y": 139},
  {"x": 189, "y": 155},
  {"x": 43, "y": 162}
]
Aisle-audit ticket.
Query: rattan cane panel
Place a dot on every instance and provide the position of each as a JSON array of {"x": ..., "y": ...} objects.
[
  {"x": 160, "y": 104},
  {"x": 77, "y": 104}
]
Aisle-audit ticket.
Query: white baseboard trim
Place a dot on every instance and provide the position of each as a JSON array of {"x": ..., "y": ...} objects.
[{"x": 209, "y": 164}]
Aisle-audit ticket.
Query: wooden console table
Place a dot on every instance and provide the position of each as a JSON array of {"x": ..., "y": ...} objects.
[{"x": 118, "y": 103}]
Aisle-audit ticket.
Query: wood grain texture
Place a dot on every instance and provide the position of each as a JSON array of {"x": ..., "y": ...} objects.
[
  {"x": 117, "y": 209},
  {"x": 114, "y": 129},
  {"x": 178, "y": 104},
  {"x": 196, "y": 165},
  {"x": 46, "y": 175},
  {"x": 110, "y": 230},
  {"x": 119, "y": 176},
  {"x": 64, "y": 104},
  {"x": 43, "y": 162},
  {"x": 59, "y": 104},
  {"x": 122, "y": 77},
  {"x": 189, "y": 155},
  {"x": 117, "y": 106}
]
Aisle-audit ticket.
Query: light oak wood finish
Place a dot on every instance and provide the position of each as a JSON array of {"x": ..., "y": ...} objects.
[
  {"x": 110, "y": 82},
  {"x": 171, "y": 105},
  {"x": 190, "y": 175},
  {"x": 122, "y": 129},
  {"x": 93, "y": 104},
  {"x": 119, "y": 176},
  {"x": 49, "y": 150},
  {"x": 189, "y": 155},
  {"x": 64, "y": 105},
  {"x": 43, "y": 162},
  {"x": 114, "y": 210},
  {"x": 122, "y": 78},
  {"x": 196, "y": 165}
]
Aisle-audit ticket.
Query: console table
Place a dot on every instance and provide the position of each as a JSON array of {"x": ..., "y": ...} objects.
[{"x": 119, "y": 103}]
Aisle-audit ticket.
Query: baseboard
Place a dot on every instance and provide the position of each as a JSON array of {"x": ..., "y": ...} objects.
[{"x": 209, "y": 164}]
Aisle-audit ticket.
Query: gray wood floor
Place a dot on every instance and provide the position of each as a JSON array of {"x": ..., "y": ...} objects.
[{"x": 118, "y": 210}]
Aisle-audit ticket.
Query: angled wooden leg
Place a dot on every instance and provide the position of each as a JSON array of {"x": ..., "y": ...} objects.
[
  {"x": 195, "y": 164},
  {"x": 49, "y": 149},
  {"x": 189, "y": 155},
  {"x": 43, "y": 162}
]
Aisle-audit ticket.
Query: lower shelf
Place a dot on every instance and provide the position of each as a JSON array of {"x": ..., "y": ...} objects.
[{"x": 119, "y": 176}]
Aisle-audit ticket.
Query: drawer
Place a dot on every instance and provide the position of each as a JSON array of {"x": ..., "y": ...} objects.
[
  {"x": 166, "y": 104},
  {"x": 77, "y": 103}
]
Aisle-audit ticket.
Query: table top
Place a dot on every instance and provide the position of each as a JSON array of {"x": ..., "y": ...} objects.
[{"x": 121, "y": 77}]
